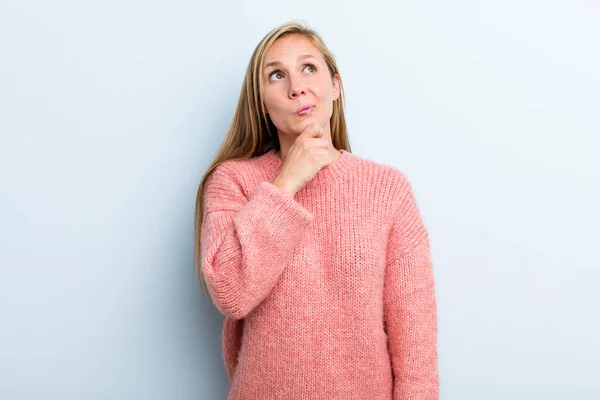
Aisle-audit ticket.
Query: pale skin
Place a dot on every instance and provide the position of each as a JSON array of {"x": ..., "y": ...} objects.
[{"x": 295, "y": 74}]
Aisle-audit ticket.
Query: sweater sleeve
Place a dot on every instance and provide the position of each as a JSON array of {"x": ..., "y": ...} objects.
[
  {"x": 410, "y": 304},
  {"x": 246, "y": 243}
]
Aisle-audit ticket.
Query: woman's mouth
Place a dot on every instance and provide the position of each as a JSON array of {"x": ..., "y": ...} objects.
[{"x": 305, "y": 110}]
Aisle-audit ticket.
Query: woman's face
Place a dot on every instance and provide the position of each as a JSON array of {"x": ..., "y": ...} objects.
[{"x": 295, "y": 75}]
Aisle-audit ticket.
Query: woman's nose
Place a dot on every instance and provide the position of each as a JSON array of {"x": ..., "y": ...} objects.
[{"x": 296, "y": 87}]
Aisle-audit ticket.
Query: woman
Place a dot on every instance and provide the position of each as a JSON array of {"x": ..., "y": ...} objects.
[{"x": 318, "y": 258}]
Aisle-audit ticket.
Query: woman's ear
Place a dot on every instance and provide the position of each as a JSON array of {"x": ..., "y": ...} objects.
[{"x": 336, "y": 87}]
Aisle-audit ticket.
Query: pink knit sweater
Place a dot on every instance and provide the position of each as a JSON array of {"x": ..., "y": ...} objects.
[{"x": 326, "y": 295}]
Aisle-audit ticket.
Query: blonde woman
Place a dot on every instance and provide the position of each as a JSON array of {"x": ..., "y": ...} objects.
[{"x": 318, "y": 258}]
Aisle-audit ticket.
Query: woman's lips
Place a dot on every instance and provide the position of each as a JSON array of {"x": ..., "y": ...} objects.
[{"x": 305, "y": 110}]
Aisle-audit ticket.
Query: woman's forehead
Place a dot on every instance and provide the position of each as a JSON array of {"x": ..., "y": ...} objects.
[{"x": 294, "y": 48}]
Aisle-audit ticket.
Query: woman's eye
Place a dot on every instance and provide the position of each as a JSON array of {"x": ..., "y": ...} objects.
[
  {"x": 275, "y": 73},
  {"x": 312, "y": 66}
]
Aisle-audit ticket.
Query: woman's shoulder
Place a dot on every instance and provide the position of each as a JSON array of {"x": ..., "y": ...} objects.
[
  {"x": 239, "y": 175},
  {"x": 390, "y": 173},
  {"x": 236, "y": 169}
]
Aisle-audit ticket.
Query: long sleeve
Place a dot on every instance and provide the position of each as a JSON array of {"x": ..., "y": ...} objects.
[
  {"x": 410, "y": 304},
  {"x": 246, "y": 243}
]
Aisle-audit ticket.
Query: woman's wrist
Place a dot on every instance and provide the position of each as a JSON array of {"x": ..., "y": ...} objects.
[{"x": 284, "y": 186}]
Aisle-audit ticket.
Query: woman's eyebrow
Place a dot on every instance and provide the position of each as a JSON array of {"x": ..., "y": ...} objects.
[{"x": 300, "y": 57}]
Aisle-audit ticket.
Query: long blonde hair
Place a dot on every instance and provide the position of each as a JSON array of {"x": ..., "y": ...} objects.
[{"x": 252, "y": 133}]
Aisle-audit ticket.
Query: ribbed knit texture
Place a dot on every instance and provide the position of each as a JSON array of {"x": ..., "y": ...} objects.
[{"x": 326, "y": 295}]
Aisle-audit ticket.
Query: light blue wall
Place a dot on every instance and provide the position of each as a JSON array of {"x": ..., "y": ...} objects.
[{"x": 111, "y": 111}]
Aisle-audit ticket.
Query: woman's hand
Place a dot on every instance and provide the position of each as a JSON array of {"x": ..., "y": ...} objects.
[{"x": 305, "y": 158}]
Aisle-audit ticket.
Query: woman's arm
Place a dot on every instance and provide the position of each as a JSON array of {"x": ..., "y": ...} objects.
[
  {"x": 246, "y": 243},
  {"x": 410, "y": 304}
]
